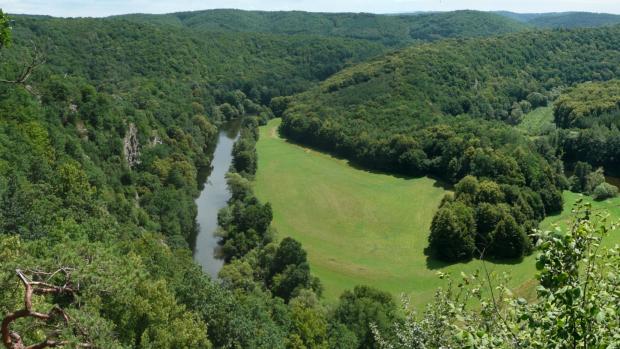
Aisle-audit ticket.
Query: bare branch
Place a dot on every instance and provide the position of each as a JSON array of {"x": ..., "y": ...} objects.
[
  {"x": 13, "y": 340},
  {"x": 37, "y": 59}
]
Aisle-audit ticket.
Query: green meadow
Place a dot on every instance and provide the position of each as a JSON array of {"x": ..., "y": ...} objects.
[
  {"x": 537, "y": 121},
  {"x": 360, "y": 227}
]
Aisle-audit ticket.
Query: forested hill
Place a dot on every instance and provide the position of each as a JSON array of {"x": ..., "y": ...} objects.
[
  {"x": 116, "y": 50},
  {"x": 396, "y": 30},
  {"x": 565, "y": 19},
  {"x": 480, "y": 77},
  {"x": 444, "y": 109},
  {"x": 575, "y": 20}
]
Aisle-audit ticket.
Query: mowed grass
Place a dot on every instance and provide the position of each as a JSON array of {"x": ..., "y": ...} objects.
[
  {"x": 359, "y": 227},
  {"x": 537, "y": 122},
  {"x": 608, "y": 210}
]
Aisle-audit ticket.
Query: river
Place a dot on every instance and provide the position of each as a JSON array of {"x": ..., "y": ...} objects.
[
  {"x": 613, "y": 180},
  {"x": 214, "y": 196}
]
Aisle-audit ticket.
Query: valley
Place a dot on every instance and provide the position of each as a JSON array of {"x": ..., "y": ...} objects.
[
  {"x": 358, "y": 227},
  {"x": 309, "y": 180}
]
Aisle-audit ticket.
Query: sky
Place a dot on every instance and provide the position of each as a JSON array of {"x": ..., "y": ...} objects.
[{"x": 100, "y": 8}]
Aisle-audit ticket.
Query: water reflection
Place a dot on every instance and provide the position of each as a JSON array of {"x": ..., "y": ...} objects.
[{"x": 214, "y": 196}]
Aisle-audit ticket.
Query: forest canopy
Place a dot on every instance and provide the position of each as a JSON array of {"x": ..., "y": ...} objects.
[{"x": 389, "y": 30}]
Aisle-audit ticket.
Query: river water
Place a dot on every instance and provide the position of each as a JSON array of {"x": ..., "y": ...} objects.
[
  {"x": 613, "y": 180},
  {"x": 214, "y": 196}
]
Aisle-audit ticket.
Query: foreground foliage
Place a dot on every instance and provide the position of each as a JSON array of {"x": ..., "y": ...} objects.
[{"x": 575, "y": 307}]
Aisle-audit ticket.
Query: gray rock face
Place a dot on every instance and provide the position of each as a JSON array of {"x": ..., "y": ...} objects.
[{"x": 131, "y": 146}]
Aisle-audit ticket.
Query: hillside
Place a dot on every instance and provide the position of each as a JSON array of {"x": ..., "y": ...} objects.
[
  {"x": 260, "y": 64},
  {"x": 588, "y": 118},
  {"x": 480, "y": 77},
  {"x": 575, "y": 20},
  {"x": 521, "y": 17},
  {"x": 395, "y": 30},
  {"x": 564, "y": 19}
]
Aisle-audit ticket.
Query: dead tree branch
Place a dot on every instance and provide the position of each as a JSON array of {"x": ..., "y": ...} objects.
[
  {"x": 35, "y": 286},
  {"x": 36, "y": 60}
]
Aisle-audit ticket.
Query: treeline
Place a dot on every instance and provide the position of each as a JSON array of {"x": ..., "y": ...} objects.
[
  {"x": 245, "y": 222},
  {"x": 246, "y": 228},
  {"x": 575, "y": 20},
  {"x": 564, "y": 20},
  {"x": 430, "y": 110},
  {"x": 389, "y": 30}
]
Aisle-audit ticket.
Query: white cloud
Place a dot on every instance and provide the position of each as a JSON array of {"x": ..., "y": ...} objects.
[{"x": 99, "y": 8}]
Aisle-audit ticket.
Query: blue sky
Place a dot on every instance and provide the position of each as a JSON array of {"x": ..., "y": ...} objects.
[{"x": 98, "y": 8}]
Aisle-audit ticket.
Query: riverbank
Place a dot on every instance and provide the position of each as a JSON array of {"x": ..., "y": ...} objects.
[{"x": 213, "y": 197}]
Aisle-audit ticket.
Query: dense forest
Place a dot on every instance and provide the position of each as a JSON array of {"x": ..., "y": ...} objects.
[
  {"x": 396, "y": 30},
  {"x": 261, "y": 66},
  {"x": 108, "y": 125},
  {"x": 572, "y": 20},
  {"x": 587, "y": 116},
  {"x": 564, "y": 19},
  {"x": 390, "y": 30}
]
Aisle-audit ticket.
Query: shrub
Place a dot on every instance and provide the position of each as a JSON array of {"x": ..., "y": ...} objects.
[
  {"x": 594, "y": 179},
  {"x": 537, "y": 99},
  {"x": 605, "y": 191}
]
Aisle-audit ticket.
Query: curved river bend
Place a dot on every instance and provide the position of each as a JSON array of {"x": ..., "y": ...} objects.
[{"x": 214, "y": 196}]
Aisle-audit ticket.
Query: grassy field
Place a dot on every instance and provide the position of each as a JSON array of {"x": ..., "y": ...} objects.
[
  {"x": 361, "y": 227},
  {"x": 537, "y": 121},
  {"x": 608, "y": 208}
]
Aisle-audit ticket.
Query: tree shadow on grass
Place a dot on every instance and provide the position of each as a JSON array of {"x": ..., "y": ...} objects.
[
  {"x": 357, "y": 165},
  {"x": 432, "y": 263}
]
